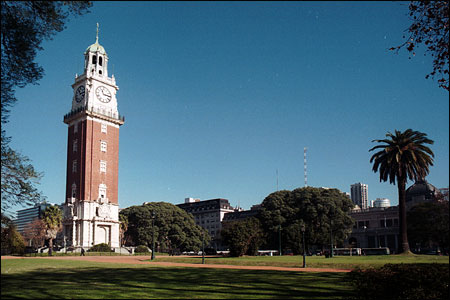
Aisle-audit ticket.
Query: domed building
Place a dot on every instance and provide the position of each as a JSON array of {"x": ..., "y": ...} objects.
[{"x": 421, "y": 192}]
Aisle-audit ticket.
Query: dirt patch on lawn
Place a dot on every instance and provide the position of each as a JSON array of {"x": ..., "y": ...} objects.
[{"x": 144, "y": 260}]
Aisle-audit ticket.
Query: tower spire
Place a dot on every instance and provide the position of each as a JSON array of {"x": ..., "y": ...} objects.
[{"x": 96, "y": 39}]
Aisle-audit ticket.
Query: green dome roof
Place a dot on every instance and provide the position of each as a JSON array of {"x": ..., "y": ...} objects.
[{"x": 96, "y": 47}]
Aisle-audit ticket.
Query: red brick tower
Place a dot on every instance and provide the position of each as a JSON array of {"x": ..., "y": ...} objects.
[{"x": 91, "y": 207}]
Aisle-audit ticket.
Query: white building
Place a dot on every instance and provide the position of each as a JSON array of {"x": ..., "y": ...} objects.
[
  {"x": 360, "y": 194},
  {"x": 209, "y": 215},
  {"x": 382, "y": 202}
]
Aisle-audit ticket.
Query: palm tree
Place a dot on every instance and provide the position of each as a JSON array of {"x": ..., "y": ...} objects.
[
  {"x": 52, "y": 218},
  {"x": 403, "y": 156}
]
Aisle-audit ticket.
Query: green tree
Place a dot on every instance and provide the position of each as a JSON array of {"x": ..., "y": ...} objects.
[
  {"x": 428, "y": 225},
  {"x": 12, "y": 240},
  {"x": 123, "y": 228},
  {"x": 322, "y": 211},
  {"x": 403, "y": 155},
  {"x": 430, "y": 25},
  {"x": 25, "y": 25},
  {"x": 243, "y": 237},
  {"x": 18, "y": 178},
  {"x": 52, "y": 218},
  {"x": 175, "y": 229},
  {"x": 34, "y": 234}
]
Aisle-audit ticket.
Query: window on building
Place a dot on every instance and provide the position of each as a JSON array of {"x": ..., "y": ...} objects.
[
  {"x": 75, "y": 146},
  {"x": 103, "y": 166},
  {"x": 367, "y": 224},
  {"x": 395, "y": 222},
  {"x": 104, "y": 128},
  {"x": 102, "y": 191},
  {"x": 389, "y": 223},
  {"x": 360, "y": 224},
  {"x": 103, "y": 146},
  {"x": 75, "y": 128},
  {"x": 74, "y": 190},
  {"x": 74, "y": 166},
  {"x": 100, "y": 60},
  {"x": 94, "y": 59}
]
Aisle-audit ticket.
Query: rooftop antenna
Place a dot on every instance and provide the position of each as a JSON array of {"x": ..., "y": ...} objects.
[
  {"x": 304, "y": 162},
  {"x": 277, "y": 180}
]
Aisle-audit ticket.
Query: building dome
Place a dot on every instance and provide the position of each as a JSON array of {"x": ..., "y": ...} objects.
[
  {"x": 96, "y": 47},
  {"x": 421, "y": 191}
]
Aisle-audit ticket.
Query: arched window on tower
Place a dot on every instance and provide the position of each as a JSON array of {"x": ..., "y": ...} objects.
[
  {"x": 100, "y": 60},
  {"x": 94, "y": 59}
]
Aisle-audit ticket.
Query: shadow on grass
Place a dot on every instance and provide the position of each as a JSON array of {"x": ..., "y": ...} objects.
[{"x": 172, "y": 283}]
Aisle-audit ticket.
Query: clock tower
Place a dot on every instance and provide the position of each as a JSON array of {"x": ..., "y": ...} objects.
[{"x": 91, "y": 209}]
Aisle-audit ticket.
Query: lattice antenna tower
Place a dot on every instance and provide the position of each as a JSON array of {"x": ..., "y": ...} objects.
[{"x": 304, "y": 163}]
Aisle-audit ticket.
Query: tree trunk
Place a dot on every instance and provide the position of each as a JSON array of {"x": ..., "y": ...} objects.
[
  {"x": 50, "y": 247},
  {"x": 402, "y": 215}
]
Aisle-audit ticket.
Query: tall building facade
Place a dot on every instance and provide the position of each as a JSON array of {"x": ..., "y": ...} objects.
[
  {"x": 28, "y": 215},
  {"x": 209, "y": 215},
  {"x": 360, "y": 194},
  {"x": 91, "y": 209}
]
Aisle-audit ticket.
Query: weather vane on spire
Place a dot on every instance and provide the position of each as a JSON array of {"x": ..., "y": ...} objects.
[{"x": 96, "y": 39}]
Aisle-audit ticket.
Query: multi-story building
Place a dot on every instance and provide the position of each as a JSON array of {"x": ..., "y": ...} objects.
[
  {"x": 209, "y": 215},
  {"x": 360, "y": 194},
  {"x": 375, "y": 227},
  {"x": 242, "y": 214},
  {"x": 91, "y": 203},
  {"x": 28, "y": 215}
]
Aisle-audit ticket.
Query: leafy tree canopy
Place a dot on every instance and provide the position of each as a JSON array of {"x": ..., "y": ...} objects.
[
  {"x": 430, "y": 25},
  {"x": 175, "y": 229},
  {"x": 319, "y": 210},
  {"x": 12, "y": 241},
  {"x": 243, "y": 237},
  {"x": 428, "y": 225},
  {"x": 25, "y": 25}
]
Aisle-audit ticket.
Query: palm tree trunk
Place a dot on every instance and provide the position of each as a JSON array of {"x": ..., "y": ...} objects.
[
  {"x": 50, "y": 247},
  {"x": 402, "y": 215}
]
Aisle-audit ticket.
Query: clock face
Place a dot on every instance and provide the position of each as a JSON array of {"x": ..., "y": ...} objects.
[
  {"x": 79, "y": 94},
  {"x": 103, "y": 94}
]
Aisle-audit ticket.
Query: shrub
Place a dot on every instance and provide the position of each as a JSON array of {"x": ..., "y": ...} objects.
[
  {"x": 141, "y": 249},
  {"x": 402, "y": 281},
  {"x": 100, "y": 248}
]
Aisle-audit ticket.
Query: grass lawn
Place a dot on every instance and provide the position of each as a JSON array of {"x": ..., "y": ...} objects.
[
  {"x": 39, "y": 278},
  {"x": 338, "y": 262}
]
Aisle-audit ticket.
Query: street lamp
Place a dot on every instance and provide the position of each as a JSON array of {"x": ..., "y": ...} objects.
[
  {"x": 331, "y": 238},
  {"x": 279, "y": 240},
  {"x": 304, "y": 249},
  {"x": 203, "y": 247},
  {"x": 153, "y": 235}
]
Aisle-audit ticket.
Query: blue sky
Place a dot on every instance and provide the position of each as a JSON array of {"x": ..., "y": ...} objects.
[{"x": 218, "y": 96}]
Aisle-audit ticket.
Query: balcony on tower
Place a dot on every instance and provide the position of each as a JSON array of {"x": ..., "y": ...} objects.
[{"x": 97, "y": 112}]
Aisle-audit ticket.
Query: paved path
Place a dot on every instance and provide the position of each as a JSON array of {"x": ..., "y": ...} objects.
[{"x": 144, "y": 260}]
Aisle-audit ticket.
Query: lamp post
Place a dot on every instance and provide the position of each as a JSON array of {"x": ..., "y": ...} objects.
[
  {"x": 304, "y": 248},
  {"x": 331, "y": 238},
  {"x": 279, "y": 240},
  {"x": 203, "y": 248},
  {"x": 153, "y": 235}
]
